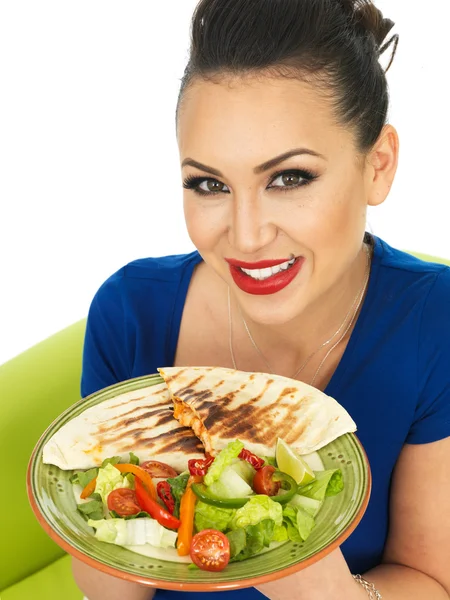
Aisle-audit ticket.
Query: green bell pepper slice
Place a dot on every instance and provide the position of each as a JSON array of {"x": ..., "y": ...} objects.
[
  {"x": 203, "y": 494},
  {"x": 287, "y": 494}
]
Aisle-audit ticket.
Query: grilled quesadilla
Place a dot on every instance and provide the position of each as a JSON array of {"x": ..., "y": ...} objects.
[
  {"x": 140, "y": 421},
  {"x": 220, "y": 405}
]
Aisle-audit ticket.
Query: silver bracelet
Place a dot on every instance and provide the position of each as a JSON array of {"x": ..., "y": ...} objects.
[{"x": 374, "y": 594}]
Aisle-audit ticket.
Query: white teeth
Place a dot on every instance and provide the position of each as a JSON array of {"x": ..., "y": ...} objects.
[
  {"x": 261, "y": 274},
  {"x": 265, "y": 273}
]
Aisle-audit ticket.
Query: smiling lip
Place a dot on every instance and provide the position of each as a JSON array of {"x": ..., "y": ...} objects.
[
  {"x": 272, "y": 284},
  {"x": 262, "y": 264}
]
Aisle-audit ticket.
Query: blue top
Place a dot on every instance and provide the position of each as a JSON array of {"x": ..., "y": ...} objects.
[{"x": 393, "y": 378}]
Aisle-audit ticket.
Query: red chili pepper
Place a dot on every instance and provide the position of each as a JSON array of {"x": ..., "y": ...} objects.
[
  {"x": 165, "y": 493},
  {"x": 154, "y": 509},
  {"x": 256, "y": 462},
  {"x": 200, "y": 467}
]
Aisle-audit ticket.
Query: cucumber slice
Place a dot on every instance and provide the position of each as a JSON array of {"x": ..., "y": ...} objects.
[
  {"x": 311, "y": 505},
  {"x": 244, "y": 470},
  {"x": 230, "y": 485}
]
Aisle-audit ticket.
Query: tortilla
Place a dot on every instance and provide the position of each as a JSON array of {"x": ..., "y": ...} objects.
[
  {"x": 140, "y": 421},
  {"x": 221, "y": 405}
]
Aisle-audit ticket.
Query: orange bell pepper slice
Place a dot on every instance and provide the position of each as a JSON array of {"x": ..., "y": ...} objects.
[
  {"x": 187, "y": 508},
  {"x": 125, "y": 468}
]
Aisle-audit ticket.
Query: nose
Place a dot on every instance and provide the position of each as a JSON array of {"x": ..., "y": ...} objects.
[{"x": 251, "y": 228}]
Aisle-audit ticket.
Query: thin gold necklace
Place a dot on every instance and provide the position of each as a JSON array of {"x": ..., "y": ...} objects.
[{"x": 354, "y": 307}]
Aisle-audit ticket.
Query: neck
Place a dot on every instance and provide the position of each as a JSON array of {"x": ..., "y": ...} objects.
[{"x": 327, "y": 318}]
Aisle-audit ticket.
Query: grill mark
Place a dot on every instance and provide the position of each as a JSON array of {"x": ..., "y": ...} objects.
[
  {"x": 296, "y": 432},
  {"x": 217, "y": 410},
  {"x": 149, "y": 407},
  {"x": 286, "y": 392},
  {"x": 266, "y": 387},
  {"x": 125, "y": 402},
  {"x": 111, "y": 427},
  {"x": 134, "y": 434},
  {"x": 181, "y": 439},
  {"x": 193, "y": 396},
  {"x": 188, "y": 387},
  {"x": 170, "y": 378},
  {"x": 252, "y": 423},
  {"x": 163, "y": 390},
  {"x": 219, "y": 384}
]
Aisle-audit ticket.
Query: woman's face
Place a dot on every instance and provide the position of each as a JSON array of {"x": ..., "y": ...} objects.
[{"x": 248, "y": 207}]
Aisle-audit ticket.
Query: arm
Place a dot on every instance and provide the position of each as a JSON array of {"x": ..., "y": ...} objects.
[
  {"x": 98, "y": 586},
  {"x": 416, "y": 563},
  {"x": 417, "y": 554}
]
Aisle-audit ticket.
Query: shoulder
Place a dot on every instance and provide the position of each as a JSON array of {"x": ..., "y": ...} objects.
[
  {"x": 144, "y": 273},
  {"x": 165, "y": 268},
  {"x": 394, "y": 260},
  {"x": 419, "y": 282}
]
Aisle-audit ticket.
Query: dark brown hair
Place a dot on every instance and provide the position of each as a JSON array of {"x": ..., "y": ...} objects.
[{"x": 336, "y": 43}]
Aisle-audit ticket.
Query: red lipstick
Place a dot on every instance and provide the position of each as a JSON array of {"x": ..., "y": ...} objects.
[
  {"x": 272, "y": 284},
  {"x": 261, "y": 264}
]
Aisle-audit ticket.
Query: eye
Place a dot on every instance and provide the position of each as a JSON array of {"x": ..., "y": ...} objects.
[
  {"x": 204, "y": 186},
  {"x": 288, "y": 180}
]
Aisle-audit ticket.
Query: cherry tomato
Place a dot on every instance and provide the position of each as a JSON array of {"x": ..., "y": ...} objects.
[
  {"x": 263, "y": 482},
  {"x": 165, "y": 493},
  {"x": 210, "y": 550},
  {"x": 158, "y": 469},
  {"x": 256, "y": 462},
  {"x": 124, "y": 502},
  {"x": 200, "y": 466}
]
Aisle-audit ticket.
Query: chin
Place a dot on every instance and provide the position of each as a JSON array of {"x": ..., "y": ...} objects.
[{"x": 270, "y": 310}]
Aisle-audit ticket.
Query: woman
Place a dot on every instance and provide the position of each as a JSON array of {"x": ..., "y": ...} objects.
[{"x": 283, "y": 142}]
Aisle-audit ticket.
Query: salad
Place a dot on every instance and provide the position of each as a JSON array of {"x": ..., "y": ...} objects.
[{"x": 223, "y": 509}]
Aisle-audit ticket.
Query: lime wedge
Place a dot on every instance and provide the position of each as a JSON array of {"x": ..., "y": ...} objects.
[{"x": 290, "y": 462}]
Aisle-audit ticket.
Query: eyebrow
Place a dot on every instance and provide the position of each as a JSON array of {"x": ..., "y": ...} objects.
[{"x": 273, "y": 162}]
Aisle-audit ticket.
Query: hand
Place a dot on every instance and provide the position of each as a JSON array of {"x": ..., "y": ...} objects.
[
  {"x": 98, "y": 586},
  {"x": 327, "y": 579}
]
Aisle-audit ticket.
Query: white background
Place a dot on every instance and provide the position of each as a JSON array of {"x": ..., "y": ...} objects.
[{"x": 89, "y": 167}]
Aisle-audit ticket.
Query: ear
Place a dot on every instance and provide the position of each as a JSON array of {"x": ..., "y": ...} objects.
[{"x": 382, "y": 162}]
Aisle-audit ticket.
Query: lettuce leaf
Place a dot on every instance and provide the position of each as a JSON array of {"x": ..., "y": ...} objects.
[
  {"x": 212, "y": 517},
  {"x": 254, "y": 538},
  {"x": 134, "y": 460},
  {"x": 326, "y": 483},
  {"x": 222, "y": 460},
  {"x": 298, "y": 522},
  {"x": 238, "y": 541},
  {"x": 135, "y": 532},
  {"x": 257, "y": 509},
  {"x": 113, "y": 460},
  {"x": 280, "y": 534},
  {"x": 178, "y": 486},
  {"x": 305, "y": 523},
  {"x": 108, "y": 479},
  {"x": 92, "y": 509},
  {"x": 139, "y": 515},
  {"x": 84, "y": 477}
]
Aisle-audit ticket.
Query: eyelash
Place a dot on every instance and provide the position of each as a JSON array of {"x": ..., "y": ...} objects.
[{"x": 193, "y": 182}]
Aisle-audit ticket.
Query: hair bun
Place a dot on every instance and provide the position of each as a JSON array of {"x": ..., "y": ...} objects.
[{"x": 366, "y": 16}]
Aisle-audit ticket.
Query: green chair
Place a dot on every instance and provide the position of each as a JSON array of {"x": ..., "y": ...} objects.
[{"x": 35, "y": 387}]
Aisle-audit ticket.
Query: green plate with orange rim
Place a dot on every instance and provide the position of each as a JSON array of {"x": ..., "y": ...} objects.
[{"x": 53, "y": 502}]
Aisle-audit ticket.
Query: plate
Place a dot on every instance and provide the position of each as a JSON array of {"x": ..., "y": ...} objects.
[{"x": 53, "y": 502}]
